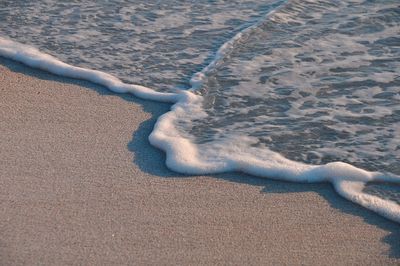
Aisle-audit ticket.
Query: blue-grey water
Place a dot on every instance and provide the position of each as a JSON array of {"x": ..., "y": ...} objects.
[{"x": 158, "y": 44}]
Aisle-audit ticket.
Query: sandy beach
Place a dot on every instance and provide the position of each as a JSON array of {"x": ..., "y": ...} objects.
[{"x": 81, "y": 185}]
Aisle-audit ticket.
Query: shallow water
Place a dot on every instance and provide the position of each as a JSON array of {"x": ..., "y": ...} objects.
[
  {"x": 158, "y": 44},
  {"x": 315, "y": 82}
]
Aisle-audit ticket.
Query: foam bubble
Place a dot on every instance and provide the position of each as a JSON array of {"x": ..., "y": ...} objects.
[{"x": 34, "y": 58}]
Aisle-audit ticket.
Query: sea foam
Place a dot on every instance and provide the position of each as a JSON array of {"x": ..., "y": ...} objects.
[
  {"x": 34, "y": 58},
  {"x": 237, "y": 153}
]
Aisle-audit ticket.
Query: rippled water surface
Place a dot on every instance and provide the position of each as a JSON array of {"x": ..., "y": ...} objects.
[
  {"x": 318, "y": 82},
  {"x": 155, "y": 43}
]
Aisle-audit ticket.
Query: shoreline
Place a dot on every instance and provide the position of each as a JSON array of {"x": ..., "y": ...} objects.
[{"x": 82, "y": 185}]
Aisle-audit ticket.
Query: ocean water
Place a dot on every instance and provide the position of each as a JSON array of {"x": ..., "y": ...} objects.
[{"x": 305, "y": 91}]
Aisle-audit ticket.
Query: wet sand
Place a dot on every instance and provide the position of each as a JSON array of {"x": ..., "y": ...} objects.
[{"x": 81, "y": 185}]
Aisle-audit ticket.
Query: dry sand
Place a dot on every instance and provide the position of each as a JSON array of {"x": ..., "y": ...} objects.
[{"x": 81, "y": 185}]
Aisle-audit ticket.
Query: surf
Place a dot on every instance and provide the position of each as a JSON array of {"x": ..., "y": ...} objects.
[{"x": 237, "y": 153}]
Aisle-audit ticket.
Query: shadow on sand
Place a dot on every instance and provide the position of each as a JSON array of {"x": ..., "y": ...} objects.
[{"x": 151, "y": 160}]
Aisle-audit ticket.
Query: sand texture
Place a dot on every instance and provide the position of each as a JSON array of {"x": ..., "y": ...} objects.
[{"x": 81, "y": 185}]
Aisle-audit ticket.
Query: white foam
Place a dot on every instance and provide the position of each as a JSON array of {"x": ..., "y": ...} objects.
[
  {"x": 185, "y": 156},
  {"x": 34, "y": 58},
  {"x": 198, "y": 78}
]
